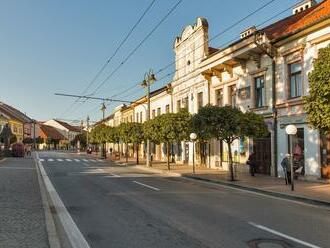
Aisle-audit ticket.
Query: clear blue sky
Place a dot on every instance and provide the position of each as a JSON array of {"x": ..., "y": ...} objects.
[{"x": 58, "y": 46}]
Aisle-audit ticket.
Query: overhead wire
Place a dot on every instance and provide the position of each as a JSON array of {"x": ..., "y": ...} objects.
[
  {"x": 100, "y": 71},
  {"x": 222, "y": 45}
]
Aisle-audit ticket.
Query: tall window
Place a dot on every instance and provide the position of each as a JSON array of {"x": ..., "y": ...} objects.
[
  {"x": 199, "y": 100},
  {"x": 137, "y": 117},
  {"x": 185, "y": 103},
  {"x": 141, "y": 117},
  {"x": 167, "y": 108},
  {"x": 219, "y": 97},
  {"x": 178, "y": 105},
  {"x": 232, "y": 95},
  {"x": 295, "y": 82},
  {"x": 158, "y": 111},
  {"x": 259, "y": 83},
  {"x": 153, "y": 113}
]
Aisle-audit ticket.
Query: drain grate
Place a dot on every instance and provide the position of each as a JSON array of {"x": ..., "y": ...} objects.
[{"x": 268, "y": 243}]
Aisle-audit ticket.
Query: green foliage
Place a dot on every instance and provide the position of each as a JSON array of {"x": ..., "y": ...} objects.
[
  {"x": 168, "y": 128},
  {"x": 227, "y": 124},
  {"x": 13, "y": 139},
  {"x": 99, "y": 134},
  {"x": 28, "y": 141},
  {"x": 317, "y": 104},
  {"x": 81, "y": 138},
  {"x": 40, "y": 140}
]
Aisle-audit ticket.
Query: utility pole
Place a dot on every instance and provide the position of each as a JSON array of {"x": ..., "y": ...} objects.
[
  {"x": 149, "y": 78},
  {"x": 87, "y": 134},
  {"x": 104, "y": 154}
]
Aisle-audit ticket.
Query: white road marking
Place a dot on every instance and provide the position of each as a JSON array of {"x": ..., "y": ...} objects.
[
  {"x": 41, "y": 159},
  {"x": 50, "y": 160},
  {"x": 74, "y": 235},
  {"x": 114, "y": 175},
  {"x": 145, "y": 185},
  {"x": 77, "y": 160},
  {"x": 283, "y": 235},
  {"x": 67, "y": 159},
  {"x": 92, "y": 160},
  {"x": 100, "y": 160},
  {"x": 59, "y": 159},
  {"x": 86, "y": 160}
]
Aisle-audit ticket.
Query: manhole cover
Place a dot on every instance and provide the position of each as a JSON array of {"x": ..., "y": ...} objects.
[{"x": 268, "y": 243}]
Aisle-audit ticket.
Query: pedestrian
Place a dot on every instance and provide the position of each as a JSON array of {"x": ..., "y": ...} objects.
[
  {"x": 252, "y": 163},
  {"x": 286, "y": 166},
  {"x": 28, "y": 151}
]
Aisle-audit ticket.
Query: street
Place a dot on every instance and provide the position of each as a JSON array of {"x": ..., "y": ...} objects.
[{"x": 118, "y": 206}]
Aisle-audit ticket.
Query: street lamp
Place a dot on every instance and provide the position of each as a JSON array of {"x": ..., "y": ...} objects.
[
  {"x": 193, "y": 137},
  {"x": 149, "y": 78},
  {"x": 291, "y": 130}
]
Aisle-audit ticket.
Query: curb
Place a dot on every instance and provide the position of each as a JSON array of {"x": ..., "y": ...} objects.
[
  {"x": 69, "y": 234},
  {"x": 53, "y": 238},
  {"x": 302, "y": 199},
  {"x": 164, "y": 172}
]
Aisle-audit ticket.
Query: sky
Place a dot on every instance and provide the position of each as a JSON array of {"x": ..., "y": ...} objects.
[{"x": 49, "y": 47}]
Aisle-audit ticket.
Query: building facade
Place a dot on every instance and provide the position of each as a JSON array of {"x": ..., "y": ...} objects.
[{"x": 265, "y": 71}]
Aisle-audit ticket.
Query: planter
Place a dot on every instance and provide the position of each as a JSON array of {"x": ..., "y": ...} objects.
[{"x": 325, "y": 172}]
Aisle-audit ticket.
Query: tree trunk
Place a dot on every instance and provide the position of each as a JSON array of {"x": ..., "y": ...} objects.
[
  {"x": 231, "y": 168},
  {"x": 126, "y": 153},
  {"x": 137, "y": 153},
  {"x": 119, "y": 150},
  {"x": 168, "y": 155}
]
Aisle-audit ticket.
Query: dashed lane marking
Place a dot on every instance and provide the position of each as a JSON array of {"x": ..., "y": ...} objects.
[
  {"x": 145, "y": 185},
  {"x": 67, "y": 159},
  {"x": 59, "y": 159}
]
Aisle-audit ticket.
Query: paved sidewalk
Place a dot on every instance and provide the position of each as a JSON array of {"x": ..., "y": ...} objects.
[{"x": 22, "y": 217}]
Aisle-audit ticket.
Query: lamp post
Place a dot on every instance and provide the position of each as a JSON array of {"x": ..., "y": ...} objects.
[
  {"x": 103, "y": 153},
  {"x": 291, "y": 130},
  {"x": 193, "y": 137},
  {"x": 149, "y": 78}
]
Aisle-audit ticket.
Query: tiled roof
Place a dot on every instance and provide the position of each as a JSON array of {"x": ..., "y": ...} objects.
[
  {"x": 298, "y": 22},
  {"x": 51, "y": 132},
  {"x": 69, "y": 127},
  {"x": 14, "y": 113}
]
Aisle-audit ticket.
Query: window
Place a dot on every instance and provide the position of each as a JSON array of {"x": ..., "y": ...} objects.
[
  {"x": 167, "y": 108},
  {"x": 259, "y": 84},
  {"x": 159, "y": 111},
  {"x": 141, "y": 117},
  {"x": 219, "y": 97},
  {"x": 295, "y": 83},
  {"x": 153, "y": 113},
  {"x": 185, "y": 103},
  {"x": 137, "y": 117},
  {"x": 232, "y": 95},
  {"x": 199, "y": 100},
  {"x": 178, "y": 105}
]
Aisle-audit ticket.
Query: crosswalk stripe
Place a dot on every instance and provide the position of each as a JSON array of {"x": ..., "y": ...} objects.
[
  {"x": 41, "y": 159},
  {"x": 100, "y": 160},
  {"x": 59, "y": 159},
  {"x": 77, "y": 160},
  {"x": 86, "y": 160},
  {"x": 50, "y": 160},
  {"x": 69, "y": 160},
  {"x": 93, "y": 160}
]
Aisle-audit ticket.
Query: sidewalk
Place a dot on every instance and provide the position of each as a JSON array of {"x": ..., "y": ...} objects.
[
  {"x": 310, "y": 192},
  {"x": 22, "y": 217}
]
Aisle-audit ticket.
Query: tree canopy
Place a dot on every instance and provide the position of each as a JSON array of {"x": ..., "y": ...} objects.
[{"x": 317, "y": 103}]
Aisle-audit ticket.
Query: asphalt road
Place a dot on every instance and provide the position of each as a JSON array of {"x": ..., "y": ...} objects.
[{"x": 115, "y": 206}]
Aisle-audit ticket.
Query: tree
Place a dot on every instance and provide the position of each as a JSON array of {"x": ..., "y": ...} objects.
[
  {"x": 81, "y": 138},
  {"x": 317, "y": 103},
  {"x": 28, "y": 140},
  {"x": 7, "y": 136},
  {"x": 228, "y": 124},
  {"x": 168, "y": 128},
  {"x": 131, "y": 132}
]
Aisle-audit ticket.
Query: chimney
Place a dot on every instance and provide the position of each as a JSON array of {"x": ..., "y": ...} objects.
[{"x": 299, "y": 7}]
